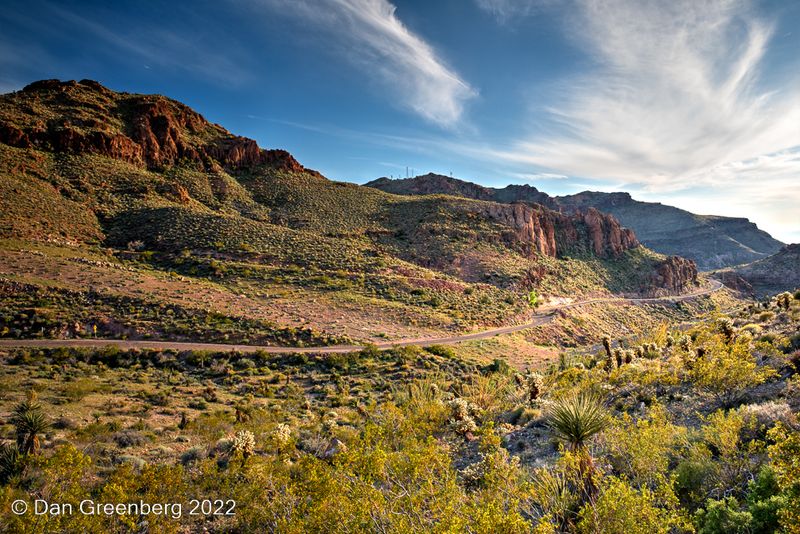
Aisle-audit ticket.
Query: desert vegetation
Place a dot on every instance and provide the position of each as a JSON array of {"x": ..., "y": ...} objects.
[{"x": 640, "y": 435}]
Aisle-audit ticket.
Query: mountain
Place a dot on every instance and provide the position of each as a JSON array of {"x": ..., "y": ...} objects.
[
  {"x": 116, "y": 182},
  {"x": 711, "y": 241},
  {"x": 767, "y": 276}
]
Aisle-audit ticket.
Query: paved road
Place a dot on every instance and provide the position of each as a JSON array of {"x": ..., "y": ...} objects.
[{"x": 544, "y": 316}]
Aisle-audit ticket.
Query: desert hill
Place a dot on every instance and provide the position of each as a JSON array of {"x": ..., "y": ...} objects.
[
  {"x": 711, "y": 241},
  {"x": 148, "y": 182}
]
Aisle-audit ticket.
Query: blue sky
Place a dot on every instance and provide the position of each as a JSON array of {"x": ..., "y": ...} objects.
[{"x": 695, "y": 104}]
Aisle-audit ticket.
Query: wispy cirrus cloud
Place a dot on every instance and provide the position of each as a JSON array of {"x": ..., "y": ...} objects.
[
  {"x": 506, "y": 10},
  {"x": 378, "y": 42},
  {"x": 674, "y": 97},
  {"x": 675, "y": 100}
]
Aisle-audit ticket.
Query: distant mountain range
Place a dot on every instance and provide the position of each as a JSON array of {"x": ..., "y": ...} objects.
[{"x": 711, "y": 241}]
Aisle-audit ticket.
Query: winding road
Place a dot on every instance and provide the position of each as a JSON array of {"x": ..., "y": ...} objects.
[{"x": 544, "y": 316}]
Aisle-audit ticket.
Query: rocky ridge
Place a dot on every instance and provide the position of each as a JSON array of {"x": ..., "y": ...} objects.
[
  {"x": 712, "y": 241},
  {"x": 155, "y": 131}
]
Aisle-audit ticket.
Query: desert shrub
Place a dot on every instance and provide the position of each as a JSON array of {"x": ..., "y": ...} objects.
[
  {"x": 621, "y": 508},
  {"x": 766, "y": 414},
  {"x": 643, "y": 450},
  {"x": 764, "y": 502},
  {"x": 784, "y": 453},
  {"x": 78, "y": 389},
  {"x": 737, "y": 458},
  {"x": 723, "y": 516},
  {"x": 441, "y": 350},
  {"x": 193, "y": 455},
  {"x": 727, "y": 370},
  {"x": 133, "y": 461},
  {"x": 693, "y": 478},
  {"x": 129, "y": 438}
]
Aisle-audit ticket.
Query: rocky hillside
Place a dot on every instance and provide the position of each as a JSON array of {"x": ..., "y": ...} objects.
[
  {"x": 146, "y": 176},
  {"x": 779, "y": 272},
  {"x": 711, "y": 241}
]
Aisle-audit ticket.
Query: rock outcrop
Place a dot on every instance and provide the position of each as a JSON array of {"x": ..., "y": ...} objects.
[
  {"x": 734, "y": 281},
  {"x": 711, "y": 241},
  {"x": 608, "y": 237},
  {"x": 675, "y": 274},
  {"x": 155, "y": 131},
  {"x": 555, "y": 234}
]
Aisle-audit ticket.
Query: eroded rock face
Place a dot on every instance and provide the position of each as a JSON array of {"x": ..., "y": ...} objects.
[
  {"x": 531, "y": 225},
  {"x": 607, "y": 236},
  {"x": 157, "y": 132},
  {"x": 734, "y": 281},
  {"x": 675, "y": 274},
  {"x": 553, "y": 234}
]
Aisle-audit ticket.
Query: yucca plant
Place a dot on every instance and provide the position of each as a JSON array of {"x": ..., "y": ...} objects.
[
  {"x": 576, "y": 418},
  {"x": 10, "y": 464},
  {"x": 31, "y": 422}
]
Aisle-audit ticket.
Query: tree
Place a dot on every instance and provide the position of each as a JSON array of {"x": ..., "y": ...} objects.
[
  {"x": 576, "y": 418},
  {"x": 9, "y": 461}
]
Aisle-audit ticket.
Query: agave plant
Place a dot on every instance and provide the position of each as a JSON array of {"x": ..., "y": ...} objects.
[
  {"x": 576, "y": 418},
  {"x": 30, "y": 422}
]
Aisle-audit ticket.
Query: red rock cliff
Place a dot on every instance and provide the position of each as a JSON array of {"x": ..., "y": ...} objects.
[
  {"x": 551, "y": 233},
  {"x": 675, "y": 274},
  {"x": 155, "y": 132},
  {"x": 607, "y": 236}
]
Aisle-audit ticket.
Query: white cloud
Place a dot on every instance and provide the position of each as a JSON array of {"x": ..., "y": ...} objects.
[
  {"x": 381, "y": 44},
  {"x": 675, "y": 101},
  {"x": 507, "y": 10},
  {"x": 674, "y": 95}
]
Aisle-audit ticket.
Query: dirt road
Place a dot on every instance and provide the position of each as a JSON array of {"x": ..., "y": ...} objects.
[{"x": 545, "y": 315}]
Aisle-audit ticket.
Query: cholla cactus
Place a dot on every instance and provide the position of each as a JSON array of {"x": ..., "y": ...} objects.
[
  {"x": 244, "y": 443},
  {"x": 685, "y": 343},
  {"x": 330, "y": 422},
  {"x": 283, "y": 435},
  {"x": 618, "y": 357},
  {"x": 609, "y": 362},
  {"x": 607, "y": 345},
  {"x": 784, "y": 300},
  {"x": 535, "y": 386},
  {"x": 629, "y": 354},
  {"x": 462, "y": 419}
]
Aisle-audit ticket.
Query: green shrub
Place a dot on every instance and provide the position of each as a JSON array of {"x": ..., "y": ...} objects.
[{"x": 723, "y": 517}]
